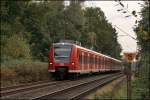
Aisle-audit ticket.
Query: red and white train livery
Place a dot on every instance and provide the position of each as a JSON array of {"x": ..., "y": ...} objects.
[{"x": 69, "y": 58}]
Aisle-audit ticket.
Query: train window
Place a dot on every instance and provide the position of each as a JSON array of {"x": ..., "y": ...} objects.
[
  {"x": 106, "y": 62},
  {"x": 82, "y": 61},
  {"x": 103, "y": 60},
  {"x": 100, "y": 62},
  {"x": 80, "y": 58},
  {"x": 86, "y": 59},
  {"x": 91, "y": 60},
  {"x": 62, "y": 53},
  {"x": 97, "y": 60}
]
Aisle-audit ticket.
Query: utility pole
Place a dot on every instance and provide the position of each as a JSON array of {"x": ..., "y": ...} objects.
[
  {"x": 129, "y": 88},
  {"x": 129, "y": 56}
]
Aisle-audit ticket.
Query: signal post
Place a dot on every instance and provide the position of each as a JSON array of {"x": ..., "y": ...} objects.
[{"x": 129, "y": 57}]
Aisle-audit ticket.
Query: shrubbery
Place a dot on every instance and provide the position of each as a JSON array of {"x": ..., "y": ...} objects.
[
  {"x": 17, "y": 73},
  {"x": 15, "y": 47},
  {"x": 140, "y": 86}
]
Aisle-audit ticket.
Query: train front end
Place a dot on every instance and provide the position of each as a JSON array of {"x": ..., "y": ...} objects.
[{"x": 61, "y": 60}]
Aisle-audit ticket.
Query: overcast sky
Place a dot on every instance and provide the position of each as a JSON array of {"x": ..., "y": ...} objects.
[{"x": 118, "y": 18}]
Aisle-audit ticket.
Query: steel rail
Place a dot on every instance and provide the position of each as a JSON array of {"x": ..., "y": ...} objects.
[
  {"x": 6, "y": 91},
  {"x": 74, "y": 92},
  {"x": 21, "y": 85},
  {"x": 51, "y": 89},
  {"x": 21, "y": 88},
  {"x": 94, "y": 86}
]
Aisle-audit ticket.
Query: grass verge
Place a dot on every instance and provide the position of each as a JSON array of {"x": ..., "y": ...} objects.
[
  {"x": 114, "y": 90},
  {"x": 25, "y": 72}
]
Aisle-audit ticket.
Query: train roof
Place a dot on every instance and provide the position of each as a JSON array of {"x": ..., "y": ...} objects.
[
  {"x": 97, "y": 53},
  {"x": 78, "y": 46},
  {"x": 62, "y": 43}
]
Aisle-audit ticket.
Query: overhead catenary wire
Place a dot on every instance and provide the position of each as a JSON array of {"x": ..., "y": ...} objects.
[{"x": 125, "y": 32}]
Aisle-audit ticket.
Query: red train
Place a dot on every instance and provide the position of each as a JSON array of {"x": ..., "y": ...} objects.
[{"x": 69, "y": 59}]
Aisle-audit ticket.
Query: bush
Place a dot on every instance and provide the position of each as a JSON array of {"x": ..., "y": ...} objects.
[
  {"x": 17, "y": 73},
  {"x": 15, "y": 48}
]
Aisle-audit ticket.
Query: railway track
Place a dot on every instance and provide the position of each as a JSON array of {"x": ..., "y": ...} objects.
[
  {"x": 25, "y": 87},
  {"x": 21, "y": 85},
  {"x": 64, "y": 90},
  {"x": 79, "y": 90}
]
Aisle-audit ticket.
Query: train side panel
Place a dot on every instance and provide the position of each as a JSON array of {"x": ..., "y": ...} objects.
[{"x": 83, "y": 60}]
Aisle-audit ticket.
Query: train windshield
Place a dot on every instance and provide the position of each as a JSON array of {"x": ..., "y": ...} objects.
[{"x": 62, "y": 53}]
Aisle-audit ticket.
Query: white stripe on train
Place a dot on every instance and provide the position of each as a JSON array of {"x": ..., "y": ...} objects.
[{"x": 87, "y": 71}]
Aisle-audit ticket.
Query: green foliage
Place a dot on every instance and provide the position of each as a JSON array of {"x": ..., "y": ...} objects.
[
  {"x": 143, "y": 32},
  {"x": 15, "y": 48},
  {"x": 28, "y": 28},
  {"x": 14, "y": 73},
  {"x": 106, "y": 36},
  {"x": 35, "y": 25},
  {"x": 141, "y": 83},
  {"x": 118, "y": 93}
]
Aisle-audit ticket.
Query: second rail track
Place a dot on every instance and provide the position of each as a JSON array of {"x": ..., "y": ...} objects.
[{"x": 69, "y": 89}]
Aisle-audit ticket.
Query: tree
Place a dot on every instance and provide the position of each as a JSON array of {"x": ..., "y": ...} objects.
[
  {"x": 15, "y": 48},
  {"x": 45, "y": 22},
  {"x": 143, "y": 32},
  {"x": 106, "y": 36}
]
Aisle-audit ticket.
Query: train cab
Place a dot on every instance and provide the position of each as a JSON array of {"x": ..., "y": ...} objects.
[{"x": 61, "y": 59}]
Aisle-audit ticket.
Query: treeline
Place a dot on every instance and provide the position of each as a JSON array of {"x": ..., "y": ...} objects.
[
  {"x": 143, "y": 30},
  {"x": 28, "y": 28},
  {"x": 141, "y": 85}
]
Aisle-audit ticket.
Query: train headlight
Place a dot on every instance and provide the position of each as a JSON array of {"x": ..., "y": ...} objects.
[
  {"x": 50, "y": 63},
  {"x": 72, "y": 63}
]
